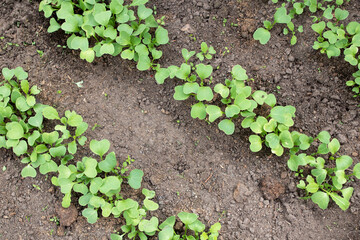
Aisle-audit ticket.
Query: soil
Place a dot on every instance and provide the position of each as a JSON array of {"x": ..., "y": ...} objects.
[{"x": 190, "y": 164}]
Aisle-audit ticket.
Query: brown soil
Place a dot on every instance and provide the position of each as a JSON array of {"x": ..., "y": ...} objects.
[{"x": 190, "y": 164}]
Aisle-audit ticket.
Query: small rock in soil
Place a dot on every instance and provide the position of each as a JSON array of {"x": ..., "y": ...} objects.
[
  {"x": 60, "y": 231},
  {"x": 67, "y": 215},
  {"x": 188, "y": 29},
  {"x": 271, "y": 188},
  {"x": 240, "y": 191}
]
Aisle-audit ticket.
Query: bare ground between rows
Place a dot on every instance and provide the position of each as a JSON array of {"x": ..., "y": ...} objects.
[{"x": 190, "y": 164}]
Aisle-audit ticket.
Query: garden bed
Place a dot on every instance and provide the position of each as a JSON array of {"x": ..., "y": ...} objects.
[{"x": 190, "y": 164}]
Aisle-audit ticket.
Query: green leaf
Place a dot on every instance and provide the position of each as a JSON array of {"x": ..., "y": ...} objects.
[
  {"x": 21, "y": 104},
  {"x": 203, "y": 71},
  {"x": 262, "y": 35},
  {"x": 179, "y": 93},
  {"x": 353, "y": 28},
  {"x": 281, "y": 16},
  {"x": 312, "y": 187},
  {"x": 109, "y": 163},
  {"x": 28, "y": 171},
  {"x": 100, "y": 147},
  {"x": 161, "y": 74},
  {"x": 90, "y": 167},
  {"x": 110, "y": 183},
  {"x": 81, "y": 188},
  {"x": 81, "y": 43},
  {"x": 205, "y": 94},
  {"x": 144, "y": 63},
  {"x": 256, "y": 143},
  {"x": 347, "y": 192},
  {"x": 214, "y": 112},
  {"x": 259, "y": 97},
  {"x": 343, "y": 162},
  {"x": 273, "y": 140},
  {"x": 186, "y": 54},
  {"x": 321, "y": 199},
  {"x": 319, "y": 27},
  {"x": 58, "y": 151},
  {"x": 286, "y": 139},
  {"x": 66, "y": 10},
  {"x": 161, "y": 35},
  {"x": 232, "y": 110},
  {"x": 107, "y": 48},
  {"x": 70, "y": 25},
  {"x": 149, "y": 226},
  {"x": 81, "y": 129},
  {"x": 50, "y": 138},
  {"x": 150, "y": 205},
  {"x": 227, "y": 126},
  {"x": 127, "y": 54},
  {"x": 183, "y": 72},
  {"x": 21, "y": 148},
  {"x": 90, "y": 214},
  {"x": 191, "y": 87},
  {"x": 187, "y": 218},
  {"x": 222, "y": 90},
  {"x": 198, "y": 110},
  {"x": 8, "y": 73},
  {"x": 167, "y": 233},
  {"x": 135, "y": 178},
  {"x": 334, "y": 146},
  {"x": 14, "y": 130},
  {"x": 197, "y": 226},
  {"x": 170, "y": 221},
  {"x": 324, "y": 137},
  {"x": 356, "y": 171},
  {"x": 239, "y": 73},
  {"x": 20, "y": 73},
  {"x": 47, "y": 167},
  {"x": 341, "y": 202},
  {"x": 138, "y": 2},
  {"x": 341, "y": 14},
  {"x": 103, "y": 17},
  {"x": 116, "y": 6},
  {"x": 50, "y": 113},
  {"x": 144, "y": 12}
]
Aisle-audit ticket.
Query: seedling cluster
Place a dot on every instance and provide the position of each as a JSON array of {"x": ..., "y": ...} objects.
[
  {"x": 234, "y": 99},
  {"x": 99, "y": 27},
  {"x": 334, "y": 38},
  {"x": 98, "y": 181}
]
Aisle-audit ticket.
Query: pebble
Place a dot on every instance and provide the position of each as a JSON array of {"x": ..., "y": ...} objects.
[
  {"x": 355, "y": 154},
  {"x": 289, "y": 71},
  {"x": 288, "y": 51},
  {"x": 291, "y": 58}
]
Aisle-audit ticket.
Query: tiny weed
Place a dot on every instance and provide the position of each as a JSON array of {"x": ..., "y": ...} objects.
[
  {"x": 55, "y": 220},
  {"x": 4, "y": 168},
  {"x": 40, "y": 52},
  {"x": 224, "y": 22},
  {"x": 95, "y": 126},
  {"x": 36, "y": 187}
]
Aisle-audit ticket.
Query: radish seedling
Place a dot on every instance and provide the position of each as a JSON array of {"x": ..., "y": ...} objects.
[{"x": 116, "y": 28}]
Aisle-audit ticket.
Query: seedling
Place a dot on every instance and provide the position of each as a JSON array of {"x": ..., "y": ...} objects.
[
  {"x": 37, "y": 187},
  {"x": 128, "y": 30},
  {"x": 55, "y": 220},
  {"x": 41, "y": 53},
  {"x": 4, "y": 168}
]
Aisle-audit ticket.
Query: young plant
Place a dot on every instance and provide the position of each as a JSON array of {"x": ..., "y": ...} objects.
[
  {"x": 194, "y": 229},
  {"x": 327, "y": 178},
  {"x": 285, "y": 15},
  {"x": 115, "y": 28}
]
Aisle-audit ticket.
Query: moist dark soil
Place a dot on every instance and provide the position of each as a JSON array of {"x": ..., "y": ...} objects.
[{"x": 189, "y": 163}]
